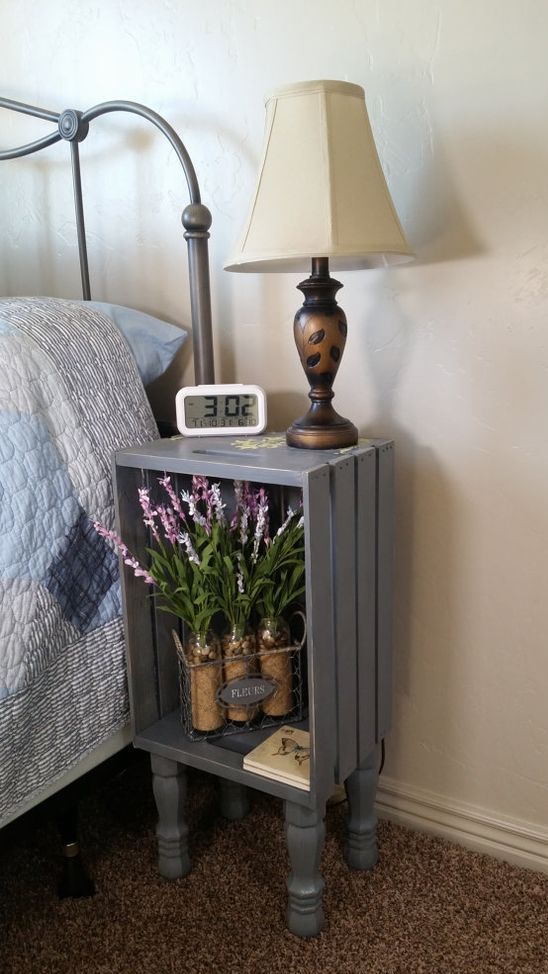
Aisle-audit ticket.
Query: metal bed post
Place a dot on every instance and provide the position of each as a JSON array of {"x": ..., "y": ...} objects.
[
  {"x": 73, "y": 127},
  {"x": 80, "y": 225}
]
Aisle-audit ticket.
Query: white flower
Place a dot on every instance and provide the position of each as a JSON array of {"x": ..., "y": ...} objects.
[
  {"x": 260, "y": 529},
  {"x": 217, "y": 503},
  {"x": 184, "y": 539},
  {"x": 243, "y": 526},
  {"x": 290, "y": 514},
  {"x": 239, "y": 575},
  {"x": 192, "y": 510}
]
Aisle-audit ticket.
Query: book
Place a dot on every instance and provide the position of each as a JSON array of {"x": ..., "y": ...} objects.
[{"x": 284, "y": 756}]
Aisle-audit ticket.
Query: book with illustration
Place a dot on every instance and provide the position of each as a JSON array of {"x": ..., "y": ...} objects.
[{"x": 284, "y": 756}]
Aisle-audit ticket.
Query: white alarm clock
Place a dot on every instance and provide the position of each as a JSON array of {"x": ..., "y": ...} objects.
[{"x": 220, "y": 409}]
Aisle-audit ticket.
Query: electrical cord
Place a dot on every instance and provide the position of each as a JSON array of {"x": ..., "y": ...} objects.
[{"x": 383, "y": 755}]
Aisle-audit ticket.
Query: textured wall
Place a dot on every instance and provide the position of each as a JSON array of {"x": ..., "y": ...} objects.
[{"x": 448, "y": 354}]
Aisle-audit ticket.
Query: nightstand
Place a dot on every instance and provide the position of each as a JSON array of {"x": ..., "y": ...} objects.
[{"x": 347, "y": 498}]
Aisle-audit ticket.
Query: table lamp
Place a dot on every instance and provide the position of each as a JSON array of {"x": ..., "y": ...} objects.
[{"x": 321, "y": 196}]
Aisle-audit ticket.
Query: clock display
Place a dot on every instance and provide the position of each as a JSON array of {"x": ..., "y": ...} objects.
[{"x": 220, "y": 411}]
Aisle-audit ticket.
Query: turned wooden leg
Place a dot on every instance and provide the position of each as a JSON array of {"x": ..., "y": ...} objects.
[
  {"x": 305, "y": 833},
  {"x": 233, "y": 799},
  {"x": 361, "y": 825},
  {"x": 169, "y": 785}
]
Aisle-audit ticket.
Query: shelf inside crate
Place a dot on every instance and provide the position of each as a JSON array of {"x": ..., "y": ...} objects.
[{"x": 222, "y": 756}]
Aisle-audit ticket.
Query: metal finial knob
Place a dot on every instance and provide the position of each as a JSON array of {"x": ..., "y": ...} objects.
[
  {"x": 71, "y": 127},
  {"x": 196, "y": 218}
]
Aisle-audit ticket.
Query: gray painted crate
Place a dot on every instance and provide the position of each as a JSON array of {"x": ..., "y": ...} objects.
[{"x": 348, "y": 509}]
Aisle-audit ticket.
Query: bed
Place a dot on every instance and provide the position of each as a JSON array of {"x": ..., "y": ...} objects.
[{"x": 72, "y": 391}]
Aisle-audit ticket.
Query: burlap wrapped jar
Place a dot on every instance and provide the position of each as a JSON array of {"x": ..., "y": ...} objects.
[{"x": 239, "y": 661}]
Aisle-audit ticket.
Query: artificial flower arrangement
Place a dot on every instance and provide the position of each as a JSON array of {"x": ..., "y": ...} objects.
[{"x": 231, "y": 583}]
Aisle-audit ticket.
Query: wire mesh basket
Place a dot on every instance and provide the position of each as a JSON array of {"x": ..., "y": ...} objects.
[{"x": 231, "y": 696}]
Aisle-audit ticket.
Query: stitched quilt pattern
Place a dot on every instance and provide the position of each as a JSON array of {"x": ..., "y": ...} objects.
[{"x": 70, "y": 395}]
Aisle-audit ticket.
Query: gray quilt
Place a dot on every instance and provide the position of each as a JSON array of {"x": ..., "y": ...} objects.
[{"x": 70, "y": 395}]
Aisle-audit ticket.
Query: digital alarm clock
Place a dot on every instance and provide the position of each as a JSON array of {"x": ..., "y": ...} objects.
[{"x": 220, "y": 409}]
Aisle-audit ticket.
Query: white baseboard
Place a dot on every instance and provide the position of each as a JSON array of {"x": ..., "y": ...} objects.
[{"x": 519, "y": 842}]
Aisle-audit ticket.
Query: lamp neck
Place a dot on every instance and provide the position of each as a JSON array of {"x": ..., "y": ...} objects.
[
  {"x": 320, "y": 289},
  {"x": 320, "y": 267}
]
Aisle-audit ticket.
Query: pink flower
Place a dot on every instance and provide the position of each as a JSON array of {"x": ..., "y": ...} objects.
[
  {"x": 111, "y": 536},
  {"x": 175, "y": 502},
  {"x": 128, "y": 558},
  {"x": 139, "y": 571},
  {"x": 169, "y": 523},
  {"x": 235, "y": 520},
  {"x": 250, "y": 499},
  {"x": 244, "y": 511}
]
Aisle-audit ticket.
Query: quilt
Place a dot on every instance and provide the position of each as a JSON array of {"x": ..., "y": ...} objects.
[{"x": 70, "y": 396}]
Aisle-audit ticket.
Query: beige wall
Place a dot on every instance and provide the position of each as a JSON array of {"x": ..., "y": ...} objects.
[{"x": 448, "y": 354}]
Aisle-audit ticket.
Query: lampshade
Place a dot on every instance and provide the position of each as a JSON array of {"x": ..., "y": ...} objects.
[{"x": 321, "y": 191}]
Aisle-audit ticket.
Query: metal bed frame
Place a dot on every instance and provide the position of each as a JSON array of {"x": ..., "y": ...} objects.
[{"x": 73, "y": 127}]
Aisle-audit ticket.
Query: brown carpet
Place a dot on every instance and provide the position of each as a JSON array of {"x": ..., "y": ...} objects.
[{"x": 427, "y": 907}]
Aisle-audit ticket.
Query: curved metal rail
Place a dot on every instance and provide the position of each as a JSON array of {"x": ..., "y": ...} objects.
[{"x": 73, "y": 127}]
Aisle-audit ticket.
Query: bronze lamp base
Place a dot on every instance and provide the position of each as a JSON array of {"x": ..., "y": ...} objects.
[
  {"x": 327, "y": 431},
  {"x": 320, "y": 335}
]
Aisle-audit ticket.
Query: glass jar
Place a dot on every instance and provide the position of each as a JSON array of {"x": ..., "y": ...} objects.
[
  {"x": 239, "y": 661},
  {"x": 203, "y": 657},
  {"x": 274, "y": 654}
]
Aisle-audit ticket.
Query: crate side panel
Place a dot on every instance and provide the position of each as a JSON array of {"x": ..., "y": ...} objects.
[
  {"x": 320, "y": 621},
  {"x": 385, "y": 572},
  {"x": 344, "y": 568},
  {"x": 365, "y": 585},
  {"x": 137, "y": 604}
]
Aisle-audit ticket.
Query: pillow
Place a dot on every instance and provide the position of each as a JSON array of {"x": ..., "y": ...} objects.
[{"x": 154, "y": 343}]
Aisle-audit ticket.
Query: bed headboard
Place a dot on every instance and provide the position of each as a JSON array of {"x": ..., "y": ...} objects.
[{"x": 73, "y": 127}]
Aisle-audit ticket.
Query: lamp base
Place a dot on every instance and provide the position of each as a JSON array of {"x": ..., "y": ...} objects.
[
  {"x": 320, "y": 335},
  {"x": 327, "y": 431}
]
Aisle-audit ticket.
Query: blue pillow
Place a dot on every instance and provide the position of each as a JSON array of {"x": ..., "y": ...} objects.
[{"x": 154, "y": 343}]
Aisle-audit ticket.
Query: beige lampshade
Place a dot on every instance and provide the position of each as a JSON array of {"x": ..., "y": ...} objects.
[{"x": 321, "y": 191}]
